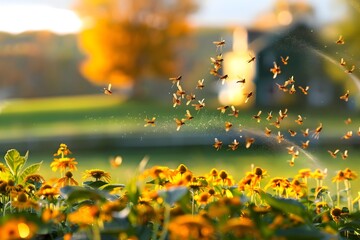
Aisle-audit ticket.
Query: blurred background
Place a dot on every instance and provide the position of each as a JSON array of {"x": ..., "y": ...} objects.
[{"x": 57, "y": 57}]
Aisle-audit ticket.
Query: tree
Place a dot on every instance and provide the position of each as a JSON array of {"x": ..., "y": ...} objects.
[{"x": 126, "y": 41}]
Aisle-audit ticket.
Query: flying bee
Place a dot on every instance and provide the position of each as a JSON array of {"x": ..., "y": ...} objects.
[
  {"x": 342, "y": 62},
  {"x": 267, "y": 132},
  {"x": 291, "y": 150},
  {"x": 199, "y": 105},
  {"x": 275, "y": 70},
  {"x": 340, "y": 40},
  {"x": 107, "y": 90},
  {"x": 292, "y": 90},
  {"x": 252, "y": 58},
  {"x": 351, "y": 70},
  {"x": 304, "y": 90},
  {"x": 285, "y": 60},
  {"x": 219, "y": 44},
  {"x": 305, "y": 133},
  {"x": 347, "y": 135},
  {"x": 190, "y": 98},
  {"x": 228, "y": 125},
  {"x": 276, "y": 123},
  {"x": 235, "y": 112},
  {"x": 241, "y": 80},
  {"x": 200, "y": 84},
  {"x": 293, "y": 157},
  {"x": 333, "y": 154},
  {"x": 248, "y": 96},
  {"x": 348, "y": 121},
  {"x": 249, "y": 141},
  {"x": 289, "y": 81},
  {"x": 223, "y": 78},
  {"x": 269, "y": 117},
  {"x": 176, "y": 100},
  {"x": 150, "y": 122},
  {"x": 116, "y": 162},
  {"x": 282, "y": 87},
  {"x": 179, "y": 123},
  {"x": 257, "y": 116},
  {"x": 344, "y": 155},
  {"x": 234, "y": 145},
  {"x": 214, "y": 72},
  {"x": 218, "y": 144},
  {"x": 317, "y": 131},
  {"x": 180, "y": 91},
  {"x": 188, "y": 115},
  {"x": 299, "y": 120},
  {"x": 279, "y": 137},
  {"x": 305, "y": 145},
  {"x": 175, "y": 79},
  {"x": 283, "y": 114},
  {"x": 222, "y": 109},
  {"x": 345, "y": 97},
  {"x": 292, "y": 133},
  {"x": 217, "y": 62}
]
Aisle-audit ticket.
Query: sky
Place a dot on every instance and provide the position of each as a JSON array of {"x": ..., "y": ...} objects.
[{"x": 56, "y": 14}]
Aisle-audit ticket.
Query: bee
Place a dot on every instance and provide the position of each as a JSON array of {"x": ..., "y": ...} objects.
[
  {"x": 348, "y": 135},
  {"x": 176, "y": 100},
  {"x": 217, "y": 61},
  {"x": 107, "y": 90},
  {"x": 200, "y": 84},
  {"x": 234, "y": 145},
  {"x": 289, "y": 81},
  {"x": 294, "y": 156},
  {"x": 282, "y": 87},
  {"x": 351, "y": 70},
  {"x": 257, "y": 116},
  {"x": 317, "y": 131},
  {"x": 180, "y": 91},
  {"x": 305, "y": 133},
  {"x": 304, "y": 90},
  {"x": 116, "y": 162},
  {"x": 235, "y": 112},
  {"x": 348, "y": 121},
  {"x": 150, "y": 122},
  {"x": 345, "y": 97},
  {"x": 282, "y": 114},
  {"x": 252, "y": 58},
  {"x": 228, "y": 125},
  {"x": 305, "y": 145},
  {"x": 190, "y": 98},
  {"x": 269, "y": 117},
  {"x": 267, "y": 132},
  {"x": 218, "y": 144},
  {"x": 291, "y": 150},
  {"x": 219, "y": 44},
  {"x": 222, "y": 109},
  {"x": 292, "y": 133},
  {"x": 299, "y": 120},
  {"x": 214, "y": 72},
  {"x": 276, "y": 123},
  {"x": 242, "y": 80},
  {"x": 340, "y": 40},
  {"x": 275, "y": 70},
  {"x": 344, "y": 155},
  {"x": 284, "y": 60},
  {"x": 175, "y": 79},
  {"x": 292, "y": 90},
  {"x": 223, "y": 78},
  {"x": 248, "y": 95},
  {"x": 199, "y": 105},
  {"x": 279, "y": 137},
  {"x": 249, "y": 141},
  {"x": 342, "y": 62},
  {"x": 333, "y": 154},
  {"x": 188, "y": 115},
  {"x": 179, "y": 123}
]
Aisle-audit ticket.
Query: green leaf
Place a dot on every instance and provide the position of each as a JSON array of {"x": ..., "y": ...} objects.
[
  {"x": 11, "y": 157},
  {"x": 173, "y": 194},
  {"x": 74, "y": 194},
  {"x": 29, "y": 170},
  {"x": 302, "y": 233},
  {"x": 95, "y": 184},
  {"x": 110, "y": 187}
]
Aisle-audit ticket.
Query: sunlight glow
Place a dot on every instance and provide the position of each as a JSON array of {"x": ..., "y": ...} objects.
[{"x": 20, "y": 18}]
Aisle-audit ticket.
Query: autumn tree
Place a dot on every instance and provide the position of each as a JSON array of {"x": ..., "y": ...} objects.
[{"x": 126, "y": 41}]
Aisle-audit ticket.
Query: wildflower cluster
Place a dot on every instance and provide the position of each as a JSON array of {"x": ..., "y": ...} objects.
[{"x": 164, "y": 203}]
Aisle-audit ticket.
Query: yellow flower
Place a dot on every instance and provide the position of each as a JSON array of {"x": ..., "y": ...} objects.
[
  {"x": 240, "y": 228},
  {"x": 340, "y": 176},
  {"x": 54, "y": 215},
  {"x": 190, "y": 227},
  {"x": 21, "y": 202},
  {"x": 63, "y": 164},
  {"x": 298, "y": 187},
  {"x": 63, "y": 150},
  {"x": 225, "y": 179},
  {"x": 34, "y": 178},
  {"x": 67, "y": 180},
  {"x": 304, "y": 173},
  {"x": 97, "y": 174},
  {"x": 14, "y": 229},
  {"x": 3, "y": 168},
  {"x": 318, "y": 174},
  {"x": 350, "y": 175},
  {"x": 48, "y": 191},
  {"x": 84, "y": 216}
]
